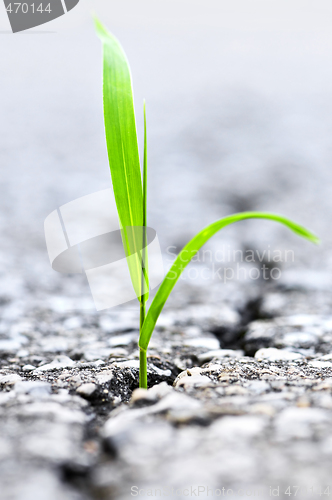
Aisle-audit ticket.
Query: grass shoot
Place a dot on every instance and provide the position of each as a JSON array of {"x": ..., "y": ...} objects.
[{"x": 130, "y": 192}]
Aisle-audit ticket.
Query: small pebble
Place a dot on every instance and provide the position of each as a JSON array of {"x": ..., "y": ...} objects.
[
  {"x": 10, "y": 379},
  {"x": 87, "y": 390},
  {"x": 207, "y": 342},
  {"x": 58, "y": 363},
  {"x": 28, "y": 368},
  {"x": 273, "y": 354},
  {"x": 219, "y": 354}
]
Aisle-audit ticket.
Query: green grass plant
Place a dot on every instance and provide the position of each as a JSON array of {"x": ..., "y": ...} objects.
[{"x": 130, "y": 192}]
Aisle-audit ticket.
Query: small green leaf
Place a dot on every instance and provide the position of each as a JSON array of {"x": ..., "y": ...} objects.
[
  {"x": 188, "y": 252},
  {"x": 122, "y": 147}
]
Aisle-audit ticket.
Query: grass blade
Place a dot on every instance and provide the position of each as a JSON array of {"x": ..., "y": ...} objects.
[
  {"x": 188, "y": 252},
  {"x": 143, "y": 378},
  {"x": 122, "y": 147},
  {"x": 145, "y": 268}
]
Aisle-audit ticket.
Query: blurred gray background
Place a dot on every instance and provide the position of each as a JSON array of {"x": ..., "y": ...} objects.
[{"x": 239, "y": 107}]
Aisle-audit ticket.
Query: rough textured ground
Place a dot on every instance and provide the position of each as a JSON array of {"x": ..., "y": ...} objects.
[
  {"x": 240, "y": 373},
  {"x": 254, "y": 416}
]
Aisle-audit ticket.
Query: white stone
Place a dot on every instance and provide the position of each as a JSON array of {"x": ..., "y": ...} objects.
[
  {"x": 207, "y": 342},
  {"x": 35, "y": 388},
  {"x": 162, "y": 373},
  {"x": 133, "y": 363},
  {"x": 57, "y": 363},
  {"x": 193, "y": 381},
  {"x": 219, "y": 354},
  {"x": 98, "y": 362},
  {"x": 273, "y": 354},
  {"x": 86, "y": 389},
  {"x": 160, "y": 390},
  {"x": 139, "y": 395},
  {"x": 195, "y": 370},
  {"x": 102, "y": 378},
  {"x": 320, "y": 364},
  {"x": 10, "y": 379}
]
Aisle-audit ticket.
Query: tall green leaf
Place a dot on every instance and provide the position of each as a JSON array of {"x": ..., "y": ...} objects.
[
  {"x": 145, "y": 267},
  {"x": 122, "y": 148},
  {"x": 188, "y": 252}
]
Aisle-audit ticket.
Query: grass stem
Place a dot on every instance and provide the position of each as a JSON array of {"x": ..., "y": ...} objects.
[
  {"x": 143, "y": 383},
  {"x": 143, "y": 376}
]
